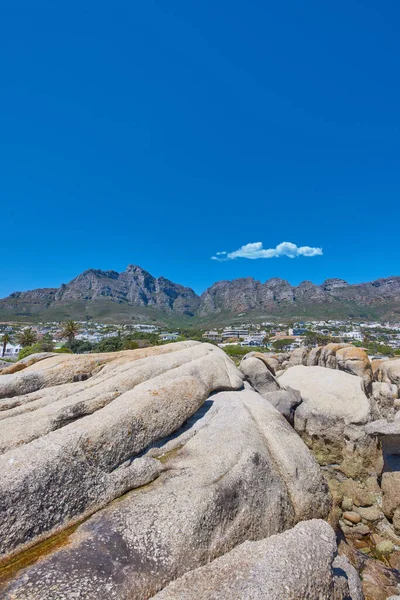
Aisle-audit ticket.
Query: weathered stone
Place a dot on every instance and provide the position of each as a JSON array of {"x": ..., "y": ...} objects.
[
  {"x": 285, "y": 401},
  {"x": 358, "y": 492},
  {"x": 270, "y": 360},
  {"x": 298, "y": 357},
  {"x": 379, "y": 581},
  {"x": 396, "y": 520},
  {"x": 327, "y": 356},
  {"x": 356, "y": 362},
  {"x": 385, "y": 395},
  {"x": 347, "y": 503},
  {"x": 370, "y": 513},
  {"x": 389, "y": 372},
  {"x": 342, "y": 565},
  {"x": 258, "y": 375},
  {"x": 259, "y": 570},
  {"x": 228, "y": 476},
  {"x": 389, "y": 436},
  {"x": 313, "y": 356},
  {"x": 385, "y": 547},
  {"x": 333, "y": 406},
  {"x": 64, "y": 368},
  {"x": 77, "y": 454},
  {"x": 352, "y": 516}
]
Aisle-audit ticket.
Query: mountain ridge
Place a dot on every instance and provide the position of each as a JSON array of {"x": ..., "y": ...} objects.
[{"x": 135, "y": 293}]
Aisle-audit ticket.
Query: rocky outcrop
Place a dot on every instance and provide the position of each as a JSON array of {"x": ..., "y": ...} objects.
[
  {"x": 388, "y": 371},
  {"x": 298, "y": 357},
  {"x": 260, "y": 570},
  {"x": 257, "y": 372},
  {"x": 333, "y": 407},
  {"x": 389, "y": 436},
  {"x": 155, "y": 464},
  {"x": 355, "y": 361},
  {"x": 343, "y": 357}
]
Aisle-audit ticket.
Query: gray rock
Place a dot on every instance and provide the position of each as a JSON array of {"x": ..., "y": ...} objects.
[
  {"x": 68, "y": 451},
  {"x": 236, "y": 471},
  {"x": 313, "y": 356},
  {"x": 344, "y": 569},
  {"x": 356, "y": 362},
  {"x": 285, "y": 401},
  {"x": 68, "y": 368},
  {"x": 332, "y": 394},
  {"x": 258, "y": 375},
  {"x": 385, "y": 395},
  {"x": 333, "y": 407},
  {"x": 292, "y": 565},
  {"x": 298, "y": 357}
]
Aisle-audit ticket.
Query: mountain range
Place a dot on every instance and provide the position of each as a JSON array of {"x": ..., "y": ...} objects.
[{"x": 135, "y": 295}]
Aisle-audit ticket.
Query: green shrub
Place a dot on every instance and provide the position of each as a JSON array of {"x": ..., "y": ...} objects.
[
  {"x": 129, "y": 345},
  {"x": 24, "y": 352},
  {"x": 63, "y": 350}
]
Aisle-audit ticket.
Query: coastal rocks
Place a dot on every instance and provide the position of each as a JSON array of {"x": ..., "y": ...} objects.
[
  {"x": 74, "y": 446},
  {"x": 389, "y": 436},
  {"x": 313, "y": 356},
  {"x": 258, "y": 374},
  {"x": 343, "y": 357},
  {"x": 298, "y": 357},
  {"x": 259, "y": 570},
  {"x": 273, "y": 362},
  {"x": 384, "y": 395},
  {"x": 235, "y": 472},
  {"x": 26, "y": 362},
  {"x": 356, "y": 362},
  {"x": 285, "y": 401},
  {"x": 68, "y": 368},
  {"x": 333, "y": 407},
  {"x": 389, "y": 372},
  {"x": 328, "y": 355},
  {"x": 327, "y": 394}
]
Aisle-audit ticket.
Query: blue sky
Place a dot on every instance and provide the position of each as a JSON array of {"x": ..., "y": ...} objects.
[{"x": 161, "y": 133}]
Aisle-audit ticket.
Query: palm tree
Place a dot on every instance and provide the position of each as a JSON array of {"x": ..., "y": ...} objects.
[
  {"x": 27, "y": 337},
  {"x": 6, "y": 339},
  {"x": 69, "y": 331}
]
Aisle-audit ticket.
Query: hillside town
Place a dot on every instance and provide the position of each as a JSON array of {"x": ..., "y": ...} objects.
[{"x": 377, "y": 338}]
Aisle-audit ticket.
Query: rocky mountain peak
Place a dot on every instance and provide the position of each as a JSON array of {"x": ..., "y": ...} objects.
[{"x": 332, "y": 284}]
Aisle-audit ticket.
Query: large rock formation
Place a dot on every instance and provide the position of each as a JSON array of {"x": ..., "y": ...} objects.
[
  {"x": 257, "y": 372},
  {"x": 264, "y": 570},
  {"x": 161, "y": 453},
  {"x": 334, "y": 405}
]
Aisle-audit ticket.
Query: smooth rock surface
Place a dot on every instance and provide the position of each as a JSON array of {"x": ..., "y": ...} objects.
[
  {"x": 236, "y": 471},
  {"x": 258, "y": 375},
  {"x": 294, "y": 565},
  {"x": 74, "y": 447}
]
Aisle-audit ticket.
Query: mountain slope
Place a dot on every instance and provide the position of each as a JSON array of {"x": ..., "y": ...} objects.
[{"x": 136, "y": 294}]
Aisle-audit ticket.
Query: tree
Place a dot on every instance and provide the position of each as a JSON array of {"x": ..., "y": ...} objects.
[
  {"x": 46, "y": 343},
  {"x": 81, "y": 346},
  {"x": 111, "y": 344},
  {"x": 27, "y": 337},
  {"x": 6, "y": 339},
  {"x": 315, "y": 338},
  {"x": 69, "y": 331},
  {"x": 282, "y": 345}
]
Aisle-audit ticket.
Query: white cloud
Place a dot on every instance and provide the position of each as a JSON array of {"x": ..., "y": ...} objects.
[{"x": 255, "y": 250}]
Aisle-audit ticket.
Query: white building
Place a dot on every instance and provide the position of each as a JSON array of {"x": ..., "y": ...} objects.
[
  {"x": 169, "y": 337},
  {"x": 12, "y": 350},
  {"x": 353, "y": 335},
  {"x": 230, "y": 332}
]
